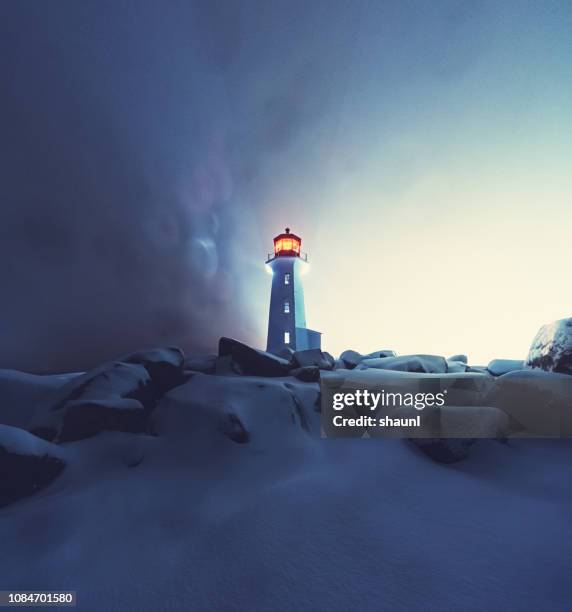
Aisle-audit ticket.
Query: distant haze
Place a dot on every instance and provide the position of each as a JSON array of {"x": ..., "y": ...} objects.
[{"x": 150, "y": 152}]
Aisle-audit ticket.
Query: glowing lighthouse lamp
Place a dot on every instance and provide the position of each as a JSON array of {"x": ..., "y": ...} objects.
[{"x": 287, "y": 317}]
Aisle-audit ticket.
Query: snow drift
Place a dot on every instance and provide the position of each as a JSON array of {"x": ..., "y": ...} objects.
[{"x": 229, "y": 499}]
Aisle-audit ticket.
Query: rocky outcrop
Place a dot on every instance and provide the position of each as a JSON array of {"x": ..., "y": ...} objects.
[
  {"x": 551, "y": 349},
  {"x": 478, "y": 369},
  {"x": 110, "y": 381},
  {"x": 537, "y": 402},
  {"x": 351, "y": 359},
  {"x": 27, "y": 464},
  {"x": 164, "y": 365},
  {"x": 86, "y": 418},
  {"x": 429, "y": 364},
  {"x": 380, "y": 354},
  {"x": 252, "y": 362},
  {"x": 499, "y": 367},
  {"x": 102, "y": 395},
  {"x": 21, "y": 392},
  {"x": 313, "y": 357},
  {"x": 456, "y": 367},
  {"x": 200, "y": 363},
  {"x": 307, "y": 373}
]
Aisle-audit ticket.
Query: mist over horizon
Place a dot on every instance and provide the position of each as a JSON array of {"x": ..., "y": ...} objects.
[{"x": 151, "y": 151}]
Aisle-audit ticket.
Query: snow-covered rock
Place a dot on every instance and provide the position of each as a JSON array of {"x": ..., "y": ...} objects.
[
  {"x": 109, "y": 381},
  {"x": 551, "y": 349},
  {"x": 462, "y": 358},
  {"x": 538, "y": 403},
  {"x": 456, "y": 367},
  {"x": 431, "y": 364},
  {"x": 165, "y": 366},
  {"x": 499, "y": 367},
  {"x": 306, "y": 373},
  {"x": 201, "y": 363},
  {"x": 380, "y": 354},
  {"x": 226, "y": 366},
  {"x": 104, "y": 393},
  {"x": 313, "y": 357},
  {"x": 208, "y": 409},
  {"x": 252, "y": 362},
  {"x": 21, "y": 392},
  {"x": 27, "y": 464},
  {"x": 479, "y": 369},
  {"x": 86, "y": 418},
  {"x": 351, "y": 358},
  {"x": 339, "y": 365}
]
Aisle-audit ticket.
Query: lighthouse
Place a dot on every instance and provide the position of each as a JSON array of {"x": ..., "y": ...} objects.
[{"x": 287, "y": 316}]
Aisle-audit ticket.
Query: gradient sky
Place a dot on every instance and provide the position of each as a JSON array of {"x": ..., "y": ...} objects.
[
  {"x": 445, "y": 190},
  {"x": 151, "y": 150}
]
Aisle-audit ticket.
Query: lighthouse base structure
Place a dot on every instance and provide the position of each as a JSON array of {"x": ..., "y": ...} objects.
[{"x": 308, "y": 339}]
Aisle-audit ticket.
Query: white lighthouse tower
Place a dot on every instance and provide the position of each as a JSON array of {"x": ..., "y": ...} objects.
[{"x": 287, "y": 317}]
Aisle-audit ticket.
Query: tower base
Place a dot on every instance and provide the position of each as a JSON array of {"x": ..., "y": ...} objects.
[{"x": 308, "y": 339}]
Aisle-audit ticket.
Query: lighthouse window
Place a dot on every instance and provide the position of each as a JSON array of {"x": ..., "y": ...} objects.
[
  {"x": 286, "y": 337},
  {"x": 286, "y": 307},
  {"x": 286, "y": 279}
]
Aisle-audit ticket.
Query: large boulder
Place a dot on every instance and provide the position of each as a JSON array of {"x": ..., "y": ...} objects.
[
  {"x": 538, "y": 403},
  {"x": 226, "y": 366},
  {"x": 380, "y": 354},
  {"x": 499, "y": 367},
  {"x": 456, "y": 367},
  {"x": 252, "y": 362},
  {"x": 200, "y": 363},
  {"x": 27, "y": 464},
  {"x": 307, "y": 373},
  {"x": 551, "y": 349},
  {"x": 21, "y": 392},
  {"x": 165, "y": 366},
  {"x": 351, "y": 358},
  {"x": 478, "y": 369},
  {"x": 429, "y": 364},
  {"x": 200, "y": 418},
  {"x": 110, "y": 381},
  {"x": 313, "y": 357},
  {"x": 86, "y": 418}
]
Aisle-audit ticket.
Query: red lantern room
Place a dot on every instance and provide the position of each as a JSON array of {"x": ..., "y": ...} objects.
[{"x": 287, "y": 244}]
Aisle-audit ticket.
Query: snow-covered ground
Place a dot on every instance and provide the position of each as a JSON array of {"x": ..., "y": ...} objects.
[{"x": 236, "y": 503}]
